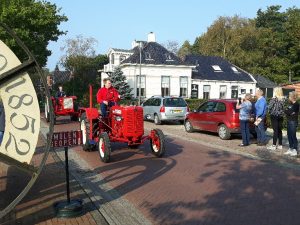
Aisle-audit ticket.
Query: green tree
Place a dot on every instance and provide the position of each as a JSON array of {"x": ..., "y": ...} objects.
[
  {"x": 118, "y": 81},
  {"x": 36, "y": 24},
  {"x": 81, "y": 60},
  {"x": 185, "y": 49}
]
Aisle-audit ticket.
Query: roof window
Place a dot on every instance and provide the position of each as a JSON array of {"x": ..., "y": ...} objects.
[
  {"x": 148, "y": 56},
  {"x": 217, "y": 68},
  {"x": 234, "y": 69},
  {"x": 169, "y": 57}
]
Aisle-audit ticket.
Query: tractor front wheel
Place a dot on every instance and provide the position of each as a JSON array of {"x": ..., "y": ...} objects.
[
  {"x": 85, "y": 129},
  {"x": 157, "y": 142},
  {"x": 104, "y": 147}
]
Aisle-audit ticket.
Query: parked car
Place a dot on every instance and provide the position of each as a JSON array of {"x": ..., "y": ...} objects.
[
  {"x": 159, "y": 109},
  {"x": 219, "y": 116}
]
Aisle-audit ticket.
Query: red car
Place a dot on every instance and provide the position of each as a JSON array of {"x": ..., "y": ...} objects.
[{"x": 219, "y": 116}]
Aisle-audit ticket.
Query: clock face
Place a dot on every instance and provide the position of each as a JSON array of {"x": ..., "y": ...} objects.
[{"x": 22, "y": 113}]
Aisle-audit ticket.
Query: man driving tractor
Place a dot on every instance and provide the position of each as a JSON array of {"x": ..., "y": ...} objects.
[{"x": 107, "y": 96}]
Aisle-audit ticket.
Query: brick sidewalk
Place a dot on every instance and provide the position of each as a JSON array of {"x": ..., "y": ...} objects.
[{"x": 50, "y": 187}]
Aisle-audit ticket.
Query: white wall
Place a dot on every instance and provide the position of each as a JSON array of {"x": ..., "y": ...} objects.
[
  {"x": 153, "y": 78},
  {"x": 215, "y": 88}
]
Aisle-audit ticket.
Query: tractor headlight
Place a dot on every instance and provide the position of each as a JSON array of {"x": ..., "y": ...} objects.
[{"x": 118, "y": 118}]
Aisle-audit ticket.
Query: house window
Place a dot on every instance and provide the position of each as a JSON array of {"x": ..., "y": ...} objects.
[
  {"x": 168, "y": 57},
  {"x": 183, "y": 86},
  {"x": 251, "y": 91},
  {"x": 206, "y": 91},
  {"x": 223, "y": 89},
  {"x": 165, "y": 85},
  {"x": 143, "y": 86},
  {"x": 243, "y": 91},
  {"x": 234, "y": 92},
  {"x": 148, "y": 56},
  {"x": 112, "y": 58},
  {"x": 217, "y": 68}
]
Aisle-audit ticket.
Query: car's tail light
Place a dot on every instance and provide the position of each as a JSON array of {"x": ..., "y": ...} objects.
[{"x": 162, "y": 109}]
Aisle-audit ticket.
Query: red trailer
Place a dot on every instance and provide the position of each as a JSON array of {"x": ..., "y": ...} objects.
[{"x": 123, "y": 124}]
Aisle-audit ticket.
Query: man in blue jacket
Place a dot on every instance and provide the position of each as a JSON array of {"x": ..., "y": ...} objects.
[{"x": 260, "y": 113}]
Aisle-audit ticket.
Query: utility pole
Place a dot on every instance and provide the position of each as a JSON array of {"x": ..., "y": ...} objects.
[{"x": 140, "y": 77}]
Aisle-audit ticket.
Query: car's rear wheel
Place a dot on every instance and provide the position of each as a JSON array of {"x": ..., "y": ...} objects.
[
  {"x": 188, "y": 126},
  {"x": 223, "y": 132},
  {"x": 104, "y": 147},
  {"x": 85, "y": 129},
  {"x": 157, "y": 121}
]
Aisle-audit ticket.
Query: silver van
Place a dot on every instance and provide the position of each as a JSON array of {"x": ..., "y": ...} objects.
[{"x": 161, "y": 109}]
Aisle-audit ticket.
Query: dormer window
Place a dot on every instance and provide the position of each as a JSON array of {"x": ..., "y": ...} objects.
[
  {"x": 234, "y": 69},
  {"x": 217, "y": 68},
  {"x": 169, "y": 57},
  {"x": 148, "y": 56}
]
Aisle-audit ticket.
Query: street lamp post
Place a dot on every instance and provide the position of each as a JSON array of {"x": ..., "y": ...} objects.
[{"x": 140, "y": 77}]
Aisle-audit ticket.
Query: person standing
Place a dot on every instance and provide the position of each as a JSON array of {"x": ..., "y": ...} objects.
[
  {"x": 2, "y": 120},
  {"x": 245, "y": 112},
  {"x": 276, "y": 110},
  {"x": 107, "y": 96},
  {"x": 292, "y": 112},
  {"x": 260, "y": 115}
]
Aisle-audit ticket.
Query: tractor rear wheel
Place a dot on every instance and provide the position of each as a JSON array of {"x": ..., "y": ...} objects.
[
  {"x": 74, "y": 117},
  {"x": 85, "y": 129},
  {"x": 157, "y": 142},
  {"x": 104, "y": 147}
]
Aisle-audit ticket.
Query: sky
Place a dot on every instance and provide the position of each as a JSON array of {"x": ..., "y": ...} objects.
[{"x": 115, "y": 24}]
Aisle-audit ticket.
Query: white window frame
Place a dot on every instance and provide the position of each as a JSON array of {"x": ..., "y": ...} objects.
[
  {"x": 204, "y": 95},
  {"x": 217, "y": 68},
  {"x": 183, "y": 86},
  {"x": 165, "y": 85},
  {"x": 223, "y": 93},
  {"x": 143, "y": 85}
]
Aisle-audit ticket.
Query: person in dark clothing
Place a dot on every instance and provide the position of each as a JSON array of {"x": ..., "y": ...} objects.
[
  {"x": 2, "y": 120},
  {"x": 60, "y": 92},
  {"x": 292, "y": 112},
  {"x": 276, "y": 110}
]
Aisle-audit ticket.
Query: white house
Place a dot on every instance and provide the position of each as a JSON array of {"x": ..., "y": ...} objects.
[
  {"x": 214, "y": 77},
  {"x": 163, "y": 73}
]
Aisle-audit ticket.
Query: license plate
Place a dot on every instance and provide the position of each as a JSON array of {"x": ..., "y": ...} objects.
[{"x": 177, "y": 111}]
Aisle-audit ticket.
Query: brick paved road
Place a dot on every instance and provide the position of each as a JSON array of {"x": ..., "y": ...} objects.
[
  {"x": 36, "y": 207},
  {"x": 199, "y": 183}
]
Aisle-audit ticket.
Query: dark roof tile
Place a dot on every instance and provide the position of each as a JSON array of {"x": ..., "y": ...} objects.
[{"x": 153, "y": 53}]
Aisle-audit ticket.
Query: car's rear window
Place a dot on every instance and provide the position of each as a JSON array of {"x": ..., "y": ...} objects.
[{"x": 174, "y": 102}]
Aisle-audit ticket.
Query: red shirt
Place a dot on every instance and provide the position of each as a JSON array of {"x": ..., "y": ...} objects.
[{"x": 107, "y": 94}]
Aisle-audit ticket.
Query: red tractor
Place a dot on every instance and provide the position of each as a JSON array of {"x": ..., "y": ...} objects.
[
  {"x": 63, "y": 106},
  {"x": 123, "y": 124}
]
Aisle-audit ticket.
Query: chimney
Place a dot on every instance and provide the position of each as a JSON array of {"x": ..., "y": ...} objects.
[{"x": 151, "y": 37}]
